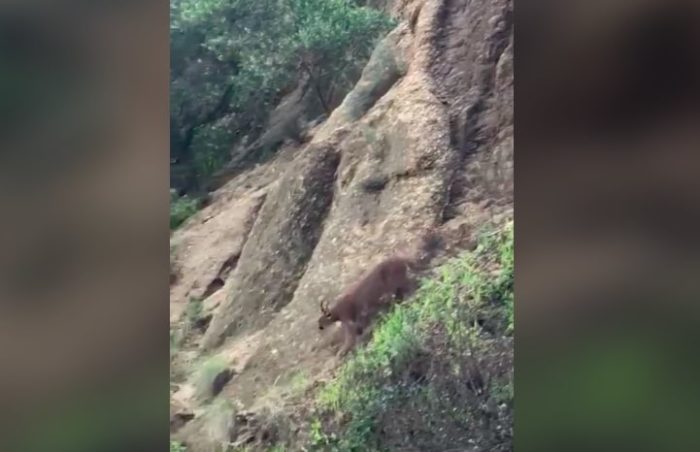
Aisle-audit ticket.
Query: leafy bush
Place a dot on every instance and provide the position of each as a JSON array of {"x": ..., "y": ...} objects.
[
  {"x": 233, "y": 60},
  {"x": 193, "y": 311},
  {"x": 177, "y": 447},
  {"x": 205, "y": 374},
  {"x": 181, "y": 209}
]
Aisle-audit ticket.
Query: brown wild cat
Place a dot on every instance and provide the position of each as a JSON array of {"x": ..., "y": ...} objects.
[
  {"x": 358, "y": 301},
  {"x": 389, "y": 278}
]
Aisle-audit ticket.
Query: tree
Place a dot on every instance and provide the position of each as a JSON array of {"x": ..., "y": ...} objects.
[{"x": 233, "y": 60}]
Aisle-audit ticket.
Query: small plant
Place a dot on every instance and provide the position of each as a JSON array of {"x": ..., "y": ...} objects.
[
  {"x": 176, "y": 446},
  {"x": 194, "y": 310},
  {"x": 181, "y": 209},
  {"x": 297, "y": 384},
  {"x": 502, "y": 393},
  {"x": 319, "y": 439},
  {"x": 277, "y": 448},
  {"x": 218, "y": 420},
  {"x": 203, "y": 378}
]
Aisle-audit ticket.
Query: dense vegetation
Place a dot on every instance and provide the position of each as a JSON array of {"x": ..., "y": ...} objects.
[
  {"x": 181, "y": 208},
  {"x": 438, "y": 369},
  {"x": 233, "y": 60}
]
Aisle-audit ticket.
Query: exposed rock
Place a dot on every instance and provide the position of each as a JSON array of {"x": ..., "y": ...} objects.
[
  {"x": 280, "y": 243},
  {"x": 177, "y": 420},
  {"x": 220, "y": 381}
]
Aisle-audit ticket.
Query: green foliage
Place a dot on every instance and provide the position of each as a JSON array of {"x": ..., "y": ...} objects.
[
  {"x": 505, "y": 281},
  {"x": 298, "y": 383},
  {"x": 211, "y": 144},
  {"x": 203, "y": 377},
  {"x": 439, "y": 326},
  {"x": 194, "y": 310},
  {"x": 232, "y": 60},
  {"x": 318, "y": 438},
  {"x": 277, "y": 448},
  {"x": 176, "y": 446},
  {"x": 333, "y": 37},
  {"x": 181, "y": 209}
]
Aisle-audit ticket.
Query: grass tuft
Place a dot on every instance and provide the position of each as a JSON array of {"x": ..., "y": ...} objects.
[
  {"x": 181, "y": 209},
  {"x": 203, "y": 378},
  {"x": 176, "y": 446}
]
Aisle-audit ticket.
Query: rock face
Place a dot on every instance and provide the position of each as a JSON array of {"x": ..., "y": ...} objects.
[
  {"x": 423, "y": 141},
  {"x": 280, "y": 244}
]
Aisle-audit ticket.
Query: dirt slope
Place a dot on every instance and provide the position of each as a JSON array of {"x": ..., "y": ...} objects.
[{"x": 424, "y": 140}]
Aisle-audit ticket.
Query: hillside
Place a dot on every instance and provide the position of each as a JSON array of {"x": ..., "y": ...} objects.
[{"x": 422, "y": 142}]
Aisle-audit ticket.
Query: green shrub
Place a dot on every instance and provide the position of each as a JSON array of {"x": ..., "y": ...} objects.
[
  {"x": 193, "y": 311},
  {"x": 233, "y": 60},
  {"x": 176, "y": 446},
  {"x": 181, "y": 209},
  {"x": 204, "y": 375}
]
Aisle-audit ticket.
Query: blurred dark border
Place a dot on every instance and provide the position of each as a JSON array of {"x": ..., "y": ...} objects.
[
  {"x": 84, "y": 200},
  {"x": 607, "y": 220},
  {"x": 607, "y": 200}
]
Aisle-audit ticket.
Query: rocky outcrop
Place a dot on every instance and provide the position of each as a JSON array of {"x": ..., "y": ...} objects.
[
  {"x": 424, "y": 141},
  {"x": 280, "y": 244}
]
